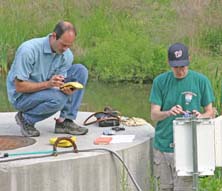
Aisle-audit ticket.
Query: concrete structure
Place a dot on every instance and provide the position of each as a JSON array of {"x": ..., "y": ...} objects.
[
  {"x": 218, "y": 140},
  {"x": 83, "y": 171}
]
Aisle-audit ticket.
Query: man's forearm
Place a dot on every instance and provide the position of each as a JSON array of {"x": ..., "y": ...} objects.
[
  {"x": 29, "y": 87},
  {"x": 208, "y": 114},
  {"x": 160, "y": 115}
]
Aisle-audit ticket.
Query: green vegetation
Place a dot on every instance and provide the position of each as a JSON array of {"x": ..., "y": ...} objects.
[
  {"x": 212, "y": 183},
  {"x": 123, "y": 40}
]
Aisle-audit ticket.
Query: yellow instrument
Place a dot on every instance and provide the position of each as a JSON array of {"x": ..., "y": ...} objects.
[
  {"x": 62, "y": 143},
  {"x": 72, "y": 85}
]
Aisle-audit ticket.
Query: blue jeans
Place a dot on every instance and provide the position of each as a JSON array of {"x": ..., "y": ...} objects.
[{"x": 40, "y": 105}]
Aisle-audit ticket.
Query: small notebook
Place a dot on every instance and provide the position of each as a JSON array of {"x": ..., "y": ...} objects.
[
  {"x": 102, "y": 140},
  {"x": 74, "y": 85}
]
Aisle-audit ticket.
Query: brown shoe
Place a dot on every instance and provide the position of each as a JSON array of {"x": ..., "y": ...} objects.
[
  {"x": 27, "y": 130},
  {"x": 69, "y": 127}
]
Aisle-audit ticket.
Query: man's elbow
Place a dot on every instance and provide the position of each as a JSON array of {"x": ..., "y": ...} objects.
[
  {"x": 213, "y": 114},
  {"x": 153, "y": 117},
  {"x": 19, "y": 86},
  {"x": 18, "y": 89}
]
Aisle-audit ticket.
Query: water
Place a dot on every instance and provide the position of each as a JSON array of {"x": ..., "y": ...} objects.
[{"x": 130, "y": 99}]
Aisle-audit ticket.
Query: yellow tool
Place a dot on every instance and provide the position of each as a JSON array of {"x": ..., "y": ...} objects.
[
  {"x": 62, "y": 143},
  {"x": 72, "y": 85}
]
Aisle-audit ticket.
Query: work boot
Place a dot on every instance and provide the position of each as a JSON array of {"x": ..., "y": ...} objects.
[
  {"x": 27, "y": 130},
  {"x": 69, "y": 127}
]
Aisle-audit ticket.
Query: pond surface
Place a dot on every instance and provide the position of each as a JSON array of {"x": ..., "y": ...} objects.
[{"x": 130, "y": 99}]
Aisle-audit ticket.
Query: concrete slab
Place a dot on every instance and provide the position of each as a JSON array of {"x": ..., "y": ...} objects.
[{"x": 83, "y": 171}]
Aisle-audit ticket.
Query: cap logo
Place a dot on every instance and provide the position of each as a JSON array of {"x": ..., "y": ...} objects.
[{"x": 178, "y": 53}]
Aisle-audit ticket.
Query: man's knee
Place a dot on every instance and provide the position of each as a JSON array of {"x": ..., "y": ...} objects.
[
  {"x": 57, "y": 101},
  {"x": 80, "y": 72}
]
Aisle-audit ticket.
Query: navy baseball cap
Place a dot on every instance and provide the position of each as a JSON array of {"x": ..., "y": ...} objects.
[{"x": 178, "y": 55}]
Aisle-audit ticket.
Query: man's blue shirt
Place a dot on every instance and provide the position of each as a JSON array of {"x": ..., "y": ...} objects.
[{"x": 34, "y": 61}]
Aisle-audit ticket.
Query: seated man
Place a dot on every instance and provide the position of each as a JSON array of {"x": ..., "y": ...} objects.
[{"x": 40, "y": 67}]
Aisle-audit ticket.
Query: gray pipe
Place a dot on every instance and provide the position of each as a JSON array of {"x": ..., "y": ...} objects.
[{"x": 195, "y": 155}]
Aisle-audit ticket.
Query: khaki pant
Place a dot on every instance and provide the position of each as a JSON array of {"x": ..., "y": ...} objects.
[{"x": 165, "y": 174}]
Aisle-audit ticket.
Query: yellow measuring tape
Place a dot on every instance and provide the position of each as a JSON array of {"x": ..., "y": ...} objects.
[{"x": 62, "y": 143}]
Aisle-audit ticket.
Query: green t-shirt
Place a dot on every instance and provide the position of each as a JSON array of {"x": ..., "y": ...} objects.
[{"x": 192, "y": 92}]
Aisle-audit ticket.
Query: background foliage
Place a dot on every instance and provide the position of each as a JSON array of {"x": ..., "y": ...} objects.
[{"x": 121, "y": 40}]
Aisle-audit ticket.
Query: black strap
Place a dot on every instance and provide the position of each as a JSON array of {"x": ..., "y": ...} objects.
[{"x": 109, "y": 116}]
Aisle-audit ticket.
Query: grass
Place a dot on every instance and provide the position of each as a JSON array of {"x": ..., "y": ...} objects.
[
  {"x": 212, "y": 183},
  {"x": 118, "y": 40}
]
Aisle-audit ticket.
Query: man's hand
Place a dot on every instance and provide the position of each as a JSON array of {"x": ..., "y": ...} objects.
[
  {"x": 56, "y": 81},
  {"x": 196, "y": 113},
  {"x": 68, "y": 90},
  {"x": 176, "y": 110}
]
